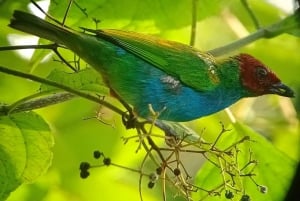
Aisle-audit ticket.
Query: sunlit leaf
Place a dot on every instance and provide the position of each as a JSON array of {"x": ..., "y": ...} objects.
[
  {"x": 290, "y": 25},
  {"x": 159, "y": 15},
  {"x": 25, "y": 150},
  {"x": 86, "y": 80}
]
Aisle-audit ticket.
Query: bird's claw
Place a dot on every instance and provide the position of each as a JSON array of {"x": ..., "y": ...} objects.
[{"x": 129, "y": 120}]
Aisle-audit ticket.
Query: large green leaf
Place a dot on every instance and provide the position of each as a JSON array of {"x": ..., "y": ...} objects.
[
  {"x": 147, "y": 14},
  {"x": 274, "y": 169},
  {"x": 86, "y": 80},
  {"x": 25, "y": 150}
]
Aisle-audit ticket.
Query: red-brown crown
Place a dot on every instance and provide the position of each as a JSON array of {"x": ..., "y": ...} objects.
[{"x": 260, "y": 80}]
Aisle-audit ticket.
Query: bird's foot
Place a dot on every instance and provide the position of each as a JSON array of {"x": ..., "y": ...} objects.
[{"x": 129, "y": 120}]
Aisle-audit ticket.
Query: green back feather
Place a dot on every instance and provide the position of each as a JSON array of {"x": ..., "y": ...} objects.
[{"x": 193, "y": 68}]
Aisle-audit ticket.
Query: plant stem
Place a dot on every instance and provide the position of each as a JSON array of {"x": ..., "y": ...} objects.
[
  {"x": 18, "y": 47},
  {"x": 194, "y": 22},
  {"x": 252, "y": 15},
  {"x": 36, "y": 101},
  {"x": 239, "y": 43},
  {"x": 53, "y": 47},
  {"x": 289, "y": 25}
]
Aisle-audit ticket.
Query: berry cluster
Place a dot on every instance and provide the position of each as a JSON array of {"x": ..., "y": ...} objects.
[{"x": 85, "y": 166}]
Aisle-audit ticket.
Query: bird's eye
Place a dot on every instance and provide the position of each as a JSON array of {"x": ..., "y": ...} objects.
[{"x": 261, "y": 73}]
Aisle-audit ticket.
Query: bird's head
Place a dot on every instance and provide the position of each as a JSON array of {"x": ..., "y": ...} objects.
[{"x": 259, "y": 80}]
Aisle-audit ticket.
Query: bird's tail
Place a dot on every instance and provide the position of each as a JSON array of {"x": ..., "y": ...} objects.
[{"x": 32, "y": 24}]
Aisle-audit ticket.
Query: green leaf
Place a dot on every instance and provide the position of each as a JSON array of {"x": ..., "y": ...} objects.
[
  {"x": 86, "y": 80},
  {"x": 290, "y": 25},
  {"x": 25, "y": 150},
  {"x": 137, "y": 15},
  {"x": 274, "y": 169}
]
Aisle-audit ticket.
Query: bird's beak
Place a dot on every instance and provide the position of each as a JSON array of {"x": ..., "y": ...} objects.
[{"x": 282, "y": 90}]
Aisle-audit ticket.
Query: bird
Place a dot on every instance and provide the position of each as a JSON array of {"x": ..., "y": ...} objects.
[{"x": 179, "y": 81}]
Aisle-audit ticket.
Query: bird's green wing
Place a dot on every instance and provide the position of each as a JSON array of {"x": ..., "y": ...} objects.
[{"x": 193, "y": 68}]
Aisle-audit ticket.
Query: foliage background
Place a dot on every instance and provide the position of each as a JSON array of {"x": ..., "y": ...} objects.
[{"x": 76, "y": 139}]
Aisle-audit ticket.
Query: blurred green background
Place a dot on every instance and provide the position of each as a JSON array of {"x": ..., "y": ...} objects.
[{"x": 219, "y": 22}]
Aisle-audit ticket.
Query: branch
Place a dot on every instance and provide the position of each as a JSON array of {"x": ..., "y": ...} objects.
[
  {"x": 290, "y": 25},
  {"x": 18, "y": 47},
  {"x": 57, "y": 85},
  {"x": 33, "y": 102},
  {"x": 54, "y": 47},
  {"x": 194, "y": 22}
]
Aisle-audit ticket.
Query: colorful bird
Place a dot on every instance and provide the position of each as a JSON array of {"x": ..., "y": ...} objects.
[{"x": 176, "y": 79}]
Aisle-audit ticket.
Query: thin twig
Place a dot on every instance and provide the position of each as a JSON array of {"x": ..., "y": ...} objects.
[
  {"x": 67, "y": 12},
  {"x": 45, "y": 13},
  {"x": 83, "y": 10},
  {"x": 63, "y": 60},
  {"x": 194, "y": 22},
  {"x": 251, "y": 13},
  {"x": 51, "y": 46}
]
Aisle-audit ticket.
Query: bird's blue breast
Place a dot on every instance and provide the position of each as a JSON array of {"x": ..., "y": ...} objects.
[{"x": 183, "y": 103}]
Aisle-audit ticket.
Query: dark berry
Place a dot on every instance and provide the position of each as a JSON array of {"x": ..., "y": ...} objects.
[
  {"x": 229, "y": 194},
  {"x": 97, "y": 154},
  {"x": 176, "y": 171},
  {"x": 106, "y": 161},
  {"x": 151, "y": 184},
  {"x": 245, "y": 198},
  {"x": 158, "y": 170},
  {"x": 84, "y": 166},
  {"x": 84, "y": 174}
]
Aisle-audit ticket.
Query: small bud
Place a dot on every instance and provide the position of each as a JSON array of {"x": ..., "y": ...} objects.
[
  {"x": 151, "y": 184},
  {"x": 176, "y": 171},
  {"x": 153, "y": 177},
  {"x": 263, "y": 189},
  {"x": 84, "y": 166},
  {"x": 245, "y": 198},
  {"x": 229, "y": 194},
  {"x": 106, "y": 161},
  {"x": 97, "y": 154}
]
